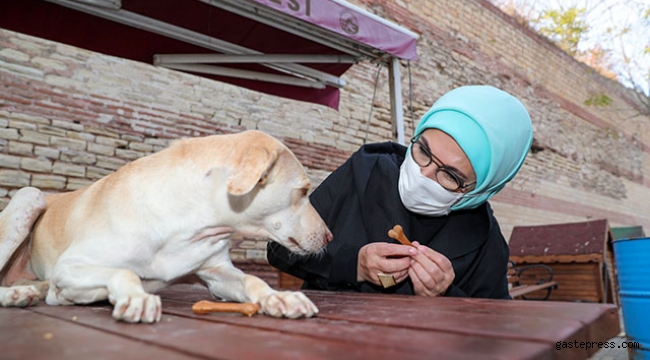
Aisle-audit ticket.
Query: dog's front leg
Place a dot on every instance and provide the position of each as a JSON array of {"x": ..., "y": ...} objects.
[
  {"x": 229, "y": 283},
  {"x": 83, "y": 284}
]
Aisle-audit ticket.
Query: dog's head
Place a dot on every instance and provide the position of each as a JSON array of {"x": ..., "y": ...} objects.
[{"x": 268, "y": 188}]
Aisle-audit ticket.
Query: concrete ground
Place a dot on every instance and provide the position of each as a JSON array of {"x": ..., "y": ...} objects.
[{"x": 618, "y": 352}]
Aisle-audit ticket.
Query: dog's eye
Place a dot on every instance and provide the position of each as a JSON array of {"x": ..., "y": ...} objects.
[{"x": 298, "y": 196}]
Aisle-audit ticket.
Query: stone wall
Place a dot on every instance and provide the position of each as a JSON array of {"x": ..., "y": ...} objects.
[{"x": 69, "y": 116}]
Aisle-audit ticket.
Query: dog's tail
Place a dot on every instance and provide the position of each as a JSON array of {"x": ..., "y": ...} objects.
[{"x": 16, "y": 222}]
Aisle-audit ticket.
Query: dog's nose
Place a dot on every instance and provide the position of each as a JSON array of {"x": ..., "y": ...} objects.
[{"x": 328, "y": 236}]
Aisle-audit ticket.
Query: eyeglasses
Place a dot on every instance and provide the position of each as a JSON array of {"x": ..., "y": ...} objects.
[{"x": 444, "y": 175}]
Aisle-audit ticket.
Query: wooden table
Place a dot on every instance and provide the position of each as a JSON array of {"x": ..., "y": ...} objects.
[{"x": 349, "y": 326}]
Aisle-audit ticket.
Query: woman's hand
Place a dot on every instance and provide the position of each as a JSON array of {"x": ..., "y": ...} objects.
[
  {"x": 430, "y": 271},
  {"x": 390, "y": 259}
]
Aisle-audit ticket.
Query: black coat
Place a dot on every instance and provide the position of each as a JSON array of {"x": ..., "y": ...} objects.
[{"x": 360, "y": 202}]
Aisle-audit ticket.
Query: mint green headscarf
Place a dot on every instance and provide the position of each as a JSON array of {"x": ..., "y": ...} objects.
[{"x": 494, "y": 130}]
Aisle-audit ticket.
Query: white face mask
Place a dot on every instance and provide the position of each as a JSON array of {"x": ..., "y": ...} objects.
[{"x": 422, "y": 195}]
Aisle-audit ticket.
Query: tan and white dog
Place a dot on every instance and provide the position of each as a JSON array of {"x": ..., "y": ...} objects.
[{"x": 158, "y": 219}]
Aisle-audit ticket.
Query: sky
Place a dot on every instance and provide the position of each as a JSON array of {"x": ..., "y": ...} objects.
[
  {"x": 601, "y": 16},
  {"x": 610, "y": 13}
]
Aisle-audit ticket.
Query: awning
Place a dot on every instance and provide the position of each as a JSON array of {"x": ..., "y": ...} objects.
[{"x": 292, "y": 48}]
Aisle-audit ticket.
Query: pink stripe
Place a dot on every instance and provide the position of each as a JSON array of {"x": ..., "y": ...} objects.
[{"x": 349, "y": 22}]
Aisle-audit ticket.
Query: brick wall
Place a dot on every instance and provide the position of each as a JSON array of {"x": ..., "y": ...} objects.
[{"x": 70, "y": 116}]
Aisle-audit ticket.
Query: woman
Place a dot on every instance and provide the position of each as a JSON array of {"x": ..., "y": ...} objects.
[{"x": 466, "y": 148}]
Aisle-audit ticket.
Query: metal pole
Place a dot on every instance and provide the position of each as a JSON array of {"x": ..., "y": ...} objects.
[{"x": 396, "y": 110}]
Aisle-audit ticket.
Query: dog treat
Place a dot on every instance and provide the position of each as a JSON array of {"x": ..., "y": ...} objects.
[
  {"x": 206, "y": 307},
  {"x": 398, "y": 234}
]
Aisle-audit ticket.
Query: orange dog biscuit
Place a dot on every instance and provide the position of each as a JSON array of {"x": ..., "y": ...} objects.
[
  {"x": 397, "y": 233},
  {"x": 206, "y": 307}
]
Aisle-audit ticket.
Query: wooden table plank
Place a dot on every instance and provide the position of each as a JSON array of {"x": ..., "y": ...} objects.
[
  {"x": 541, "y": 309},
  {"x": 588, "y": 322},
  {"x": 405, "y": 340},
  {"x": 25, "y": 334},
  {"x": 534, "y": 309},
  {"x": 213, "y": 340},
  {"x": 349, "y": 326},
  {"x": 497, "y": 320}
]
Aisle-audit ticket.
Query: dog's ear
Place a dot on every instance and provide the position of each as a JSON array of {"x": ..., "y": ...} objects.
[{"x": 251, "y": 170}]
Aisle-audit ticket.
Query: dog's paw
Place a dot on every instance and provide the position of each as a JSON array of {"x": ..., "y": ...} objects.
[
  {"x": 19, "y": 296},
  {"x": 144, "y": 308},
  {"x": 291, "y": 304}
]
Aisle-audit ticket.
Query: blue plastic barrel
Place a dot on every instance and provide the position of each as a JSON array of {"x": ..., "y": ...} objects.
[{"x": 633, "y": 272}]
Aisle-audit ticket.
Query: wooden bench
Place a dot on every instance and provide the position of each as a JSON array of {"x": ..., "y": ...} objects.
[{"x": 519, "y": 290}]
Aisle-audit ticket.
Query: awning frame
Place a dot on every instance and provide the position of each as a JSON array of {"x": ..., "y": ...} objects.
[
  {"x": 196, "y": 63},
  {"x": 296, "y": 74}
]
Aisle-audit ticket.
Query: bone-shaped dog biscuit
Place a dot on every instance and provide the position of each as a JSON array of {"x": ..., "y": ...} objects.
[
  {"x": 397, "y": 233},
  {"x": 206, "y": 307}
]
